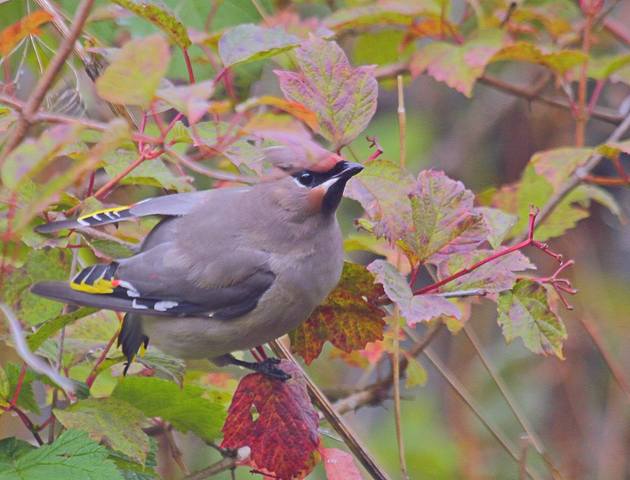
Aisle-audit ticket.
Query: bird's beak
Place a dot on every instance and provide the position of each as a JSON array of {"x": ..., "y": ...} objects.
[{"x": 348, "y": 169}]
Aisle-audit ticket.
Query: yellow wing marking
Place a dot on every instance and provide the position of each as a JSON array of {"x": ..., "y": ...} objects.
[{"x": 103, "y": 211}]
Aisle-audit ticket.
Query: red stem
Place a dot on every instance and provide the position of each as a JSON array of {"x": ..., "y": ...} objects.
[
  {"x": 94, "y": 373},
  {"x": 191, "y": 73},
  {"x": 18, "y": 386}
]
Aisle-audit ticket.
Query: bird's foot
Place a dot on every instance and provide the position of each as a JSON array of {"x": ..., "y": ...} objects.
[{"x": 268, "y": 367}]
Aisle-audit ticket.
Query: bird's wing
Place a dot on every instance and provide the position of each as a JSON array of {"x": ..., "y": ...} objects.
[
  {"x": 176, "y": 204},
  {"x": 150, "y": 283}
]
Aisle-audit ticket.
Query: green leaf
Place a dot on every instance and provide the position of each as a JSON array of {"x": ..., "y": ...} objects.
[
  {"x": 389, "y": 12},
  {"x": 26, "y": 399},
  {"x": 73, "y": 456},
  {"x": 150, "y": 172},
  {"x": 557, "y": 165},
  {"x": 415, "y": 308},
  {"x": 249, "y": 42},
  {"x": 343, "y": 97},
  {"x": 110, "y": 421},
  {"x": 498, "y": 224},
  {"x": 160, "y": 17},
  {"x": 5, "y": 387},
  {"x": 601, "y": 68},
  {"x": 131, "y": 470},
  {"x": 416, "y": 374},
  {"x": 51, "y": 327},
  {"x": 136, "y": 72},
  {"x": 186, "y": 408},
  {"x": 558, "y": 61},
  {"x": 459, "y": 66},
  {"x": 524, "y": 312},
  {"x": 110, "y": 248},
  {"x": 32, "y": 155}
]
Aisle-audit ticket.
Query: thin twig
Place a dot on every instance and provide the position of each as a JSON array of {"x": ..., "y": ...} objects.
[
  {"x": 45, "y": 82},
  {"x": 582, "y": 111},
  {"x": 227, "y": 463},
  {"x": 208, "y": 172},
  {"x": 337, "y": 422},
  {"x": 509, "y": 399}
]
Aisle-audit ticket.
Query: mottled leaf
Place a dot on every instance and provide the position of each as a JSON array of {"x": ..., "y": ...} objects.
[
  {"x": 414, "y": 308},
  {"x": 443, "y": 218},
  {"x": 109, "y": 421},
  {"x": 249, "y": 42},
  {"x": 72, "y": 456},
  {"x": 160, "y": 17},
  {"x": 343, "y": 97},
  {"x": 524, "y": 312},
  {"x": 191, "y": 100},
  {"x": 459, "y": 66},
  {"x": 186, "y": 408},
  {"x": 557, "y": 165},
  {"x": 348, "y": 318},
  {"x": 382, "y": 189},
  {"x": 558, "y": 61},
  {"x": 493, "y": 277},
  {"x": 339, "y": 465},
  {"x": 27, "y": 25},
  {"x": 277, "y": 421},
  {"x": 136, "y": 72}
]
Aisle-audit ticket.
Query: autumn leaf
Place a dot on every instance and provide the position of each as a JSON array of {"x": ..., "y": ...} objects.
[
  {"x": 389, "y": 12},
  {"x": 558, "y": 61},
  {"x": 443, "y": 218},
  {"x": 135, "y": 73},
  {"x": 382, "y": 189},
  {"x": 339, "y": 465},
  {"x": 28, "y": 25},
  {"x": 277, "y": 421},
  {"x": 249, "y": 42},
  {"x": 414, "y": 308},
  {"x": 191, "y": 100},
  {"x": 343, "y": 97},
  {"x": 459, "y": 66},
  {"x": 524, "y": 312},
  {"x": 348, "y": 318}
]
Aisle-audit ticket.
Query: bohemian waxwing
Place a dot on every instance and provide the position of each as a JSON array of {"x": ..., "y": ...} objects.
[{"x": 225, "y": 270}]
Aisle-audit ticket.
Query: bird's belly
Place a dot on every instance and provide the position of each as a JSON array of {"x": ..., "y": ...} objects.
[{"x": 203, "y": 337}]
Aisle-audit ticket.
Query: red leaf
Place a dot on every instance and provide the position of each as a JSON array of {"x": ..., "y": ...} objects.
[
  {"x": 277, "y": 421},
  {"x": 339, "y": 465},
  {"x": 349, "y": 318}
]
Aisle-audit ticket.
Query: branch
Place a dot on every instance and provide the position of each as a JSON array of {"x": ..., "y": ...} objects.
[
  {"x": 337, "y": 422},
  {"x": 604, "y": 115},
  {"x": 46, "y": 81}
]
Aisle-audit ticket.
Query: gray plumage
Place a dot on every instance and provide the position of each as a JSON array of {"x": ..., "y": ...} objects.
[{"x": 227, "y": 269}]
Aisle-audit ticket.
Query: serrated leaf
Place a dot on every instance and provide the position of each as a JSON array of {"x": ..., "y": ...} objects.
[
  {"x": 414, "y": 308},
  {"x": 136, "y": 72},
  {"x": 160, "y": 17},
  {"x": 524, "y": 312},
  {"x": 343, "y": 97},
  {"x": 382, "y": 189},
  {"x": 348, "y": 318},
  {"x": 277, "y": 421},
  {"x": 459, "y": 66},
  {"x": 191, "y": 100},
  {"x": 558, "y": 61},
  {"x": 493, "y": 277},
  {"x": 339, "y": 465},
  {"x": 48, "y": 329},
  {"x": 26, "y": 398},
  {"x": 72, "y": 456},
  {"x": 109, "y": 421},
  {"x": 186, "y": 408},
  {"x": 248, "y": 42},
  {"x": 444, "y": 220}
]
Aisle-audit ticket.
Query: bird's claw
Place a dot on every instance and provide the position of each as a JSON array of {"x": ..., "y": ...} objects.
[{"x": 268, "y": 368}]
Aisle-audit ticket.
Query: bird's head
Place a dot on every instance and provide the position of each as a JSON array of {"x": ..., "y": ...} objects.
[{"x": 316, "y": 189}]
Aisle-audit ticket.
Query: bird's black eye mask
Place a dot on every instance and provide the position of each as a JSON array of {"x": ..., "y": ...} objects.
[{"x": 311, "y": 179}]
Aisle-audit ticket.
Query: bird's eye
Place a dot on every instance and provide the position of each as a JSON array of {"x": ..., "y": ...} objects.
[{"x": 305, "y": 178}]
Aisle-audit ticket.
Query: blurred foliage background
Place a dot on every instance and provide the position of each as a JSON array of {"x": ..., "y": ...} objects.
[{"x": 575, "y": 405}]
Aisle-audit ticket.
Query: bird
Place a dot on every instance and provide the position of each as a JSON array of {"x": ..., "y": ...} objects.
[{"x": 224, "y": 270}]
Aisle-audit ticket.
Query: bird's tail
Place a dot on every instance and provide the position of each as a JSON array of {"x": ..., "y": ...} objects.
[{"x": 62, "y": 292}]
